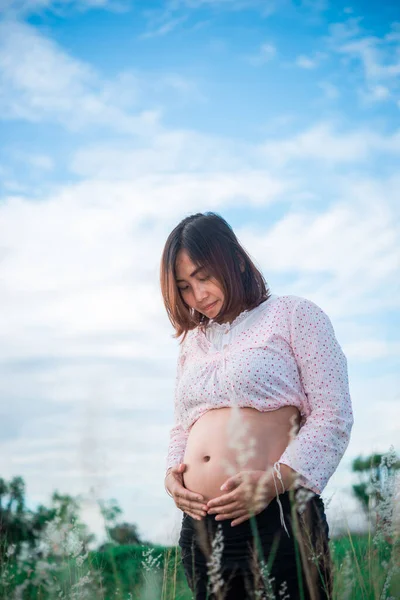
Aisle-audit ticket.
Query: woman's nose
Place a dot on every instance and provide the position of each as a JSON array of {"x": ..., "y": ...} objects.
[{"x": 200, "y": 294}]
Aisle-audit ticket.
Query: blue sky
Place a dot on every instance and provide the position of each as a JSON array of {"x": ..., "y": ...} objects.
[{"x": 120, "y": 118}]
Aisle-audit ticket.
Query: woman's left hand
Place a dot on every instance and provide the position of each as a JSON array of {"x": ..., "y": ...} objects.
[{"x": 251, "y": 492}]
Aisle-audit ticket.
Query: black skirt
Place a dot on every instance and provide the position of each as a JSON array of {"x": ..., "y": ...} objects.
[{"x": 262, "y": 559}]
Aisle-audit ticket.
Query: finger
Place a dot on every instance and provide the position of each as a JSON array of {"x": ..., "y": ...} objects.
[
  {"x": 195, "y": 515},
  {"x": 244, "y": 517},
  {"x": 197, "y": 511},
  {"x": 195, "y": 506},
  {"x": 192, "y": 497},
  {"x": 188, "y": 502},
  {"x": 222, "y": 500},
  {"x": 240, "y": 520},
  {"x": 233, "y": 515},
  {"x": 235, "y": 511},
  {"x": 237, "y": 505},
  {"x": 240, "y": 517},
  {"x": 185, "y": 494},
  {"x": 223, "y": 509}
]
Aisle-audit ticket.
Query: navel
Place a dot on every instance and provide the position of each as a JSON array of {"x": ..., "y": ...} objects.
[{"x": 206, "y": 458}]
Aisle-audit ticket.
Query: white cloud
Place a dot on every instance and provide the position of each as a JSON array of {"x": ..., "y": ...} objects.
[
  {"x": 371, "y": 52},
  {"x": 24, "y": 8},
  {"x": 176, "y": 151},
  {"x": 41, "y": 161},
  {"x": 162, "y": 25},
  {"x": 344, "y": 30},
  {"x": 81, "y": 302},
  {"x": 309, "y": 62},
  {"x": 374, "y": 93},
  {"x": 322, "y": 143},
  {"x": 38, "y": 162},
  {"x": 175, "y": 12},
  {"x": 331, "y": 92},
  {"x": 379, "y": 57},
  {"x": 265, "y": 54},
  {"x": 43, "y": 83},
  {"x": 305, "y": 62},
  {"x": 348, "y": 254},
  {"x": 265, "y": 8}
]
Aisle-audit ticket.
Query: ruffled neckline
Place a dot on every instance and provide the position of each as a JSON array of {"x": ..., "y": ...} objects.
[
  {"x": 221, "y": 326},
  {"x": 241, "y": 316}
]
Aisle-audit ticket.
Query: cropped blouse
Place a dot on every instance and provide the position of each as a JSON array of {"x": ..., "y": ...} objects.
[{"x": 284, "y": 352}]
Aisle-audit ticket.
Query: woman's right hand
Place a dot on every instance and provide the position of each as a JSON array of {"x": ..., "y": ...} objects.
[{"x": 190, "y": 502}]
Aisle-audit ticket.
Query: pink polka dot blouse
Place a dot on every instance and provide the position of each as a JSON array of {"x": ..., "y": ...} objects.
[{"x": 284, "y": 352}]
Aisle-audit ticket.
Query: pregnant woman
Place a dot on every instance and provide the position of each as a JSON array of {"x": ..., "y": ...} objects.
[{"x": 262, "y": 405}]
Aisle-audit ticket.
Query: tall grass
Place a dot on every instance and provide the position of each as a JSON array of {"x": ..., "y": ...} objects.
[{"x": 365, "y": 567}]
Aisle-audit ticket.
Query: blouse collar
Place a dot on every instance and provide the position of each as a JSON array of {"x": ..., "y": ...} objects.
[
  {"x": 241, "y": 317},
  {"x": 224, "y": 326}
]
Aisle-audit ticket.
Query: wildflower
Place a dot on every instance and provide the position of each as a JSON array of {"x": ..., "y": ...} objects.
[
  {"x": 214, "y": 564},
  {"x": 390, "y": 458},
  {"x": 149, "y": 560},
  {"x": 282, "y": 591},
  {"x": 314, "y": 558},
  {"x": 11, "y": 550},
  {"x": 78, "y": 591},
  {"x": 347, "y": 577},
  {"x": 268, "y": 581},
  {"x": 302, "y": 496},
  {"x": 328, "y": 501},
  {"x": 383, "y": 489},
  {"x": 60, "y": 539},
  {"x": 73, "y": 545},
  {"x": 80, "y": 559},
  {"x": 392, "y": 571}
]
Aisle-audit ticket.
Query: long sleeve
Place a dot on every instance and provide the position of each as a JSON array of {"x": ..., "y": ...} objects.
[
  {"x": 321, "y": 442},
  {"x": 178, "y": 436}
]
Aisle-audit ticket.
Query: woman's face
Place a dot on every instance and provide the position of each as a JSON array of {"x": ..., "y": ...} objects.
[{"x": 197, "y": 287}]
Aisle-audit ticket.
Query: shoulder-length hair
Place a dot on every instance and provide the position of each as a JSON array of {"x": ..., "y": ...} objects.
[{"x": 211, "y": 243}]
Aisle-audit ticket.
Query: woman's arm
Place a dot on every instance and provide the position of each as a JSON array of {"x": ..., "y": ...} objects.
[
  {"x": 321, "y": 442},
  {"x": 178, "y": 436}
]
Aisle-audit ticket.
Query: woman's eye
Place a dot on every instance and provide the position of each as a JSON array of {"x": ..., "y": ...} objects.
[{"x": 183, "y": 289}]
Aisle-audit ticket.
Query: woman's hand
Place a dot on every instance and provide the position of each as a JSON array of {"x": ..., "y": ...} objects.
[
  {"x": 252, "y": 492},
  {"x": 187, "y": 501}
]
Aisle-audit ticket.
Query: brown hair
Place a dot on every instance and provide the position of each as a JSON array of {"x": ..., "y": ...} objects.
[{"x": 210, "y": 242}]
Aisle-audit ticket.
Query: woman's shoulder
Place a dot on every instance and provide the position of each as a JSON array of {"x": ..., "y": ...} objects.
[
  {"x": 187, "y": 340},
  {"x": 282, "y": 311},
  {"x": 280, "y": 304},
  {"x": 289, "y": 302}
]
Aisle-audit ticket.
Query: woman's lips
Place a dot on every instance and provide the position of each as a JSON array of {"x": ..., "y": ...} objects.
[{"x": 210, "y": 305}]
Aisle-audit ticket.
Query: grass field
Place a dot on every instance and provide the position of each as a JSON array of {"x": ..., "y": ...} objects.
[{"x": 363, "y": 570}]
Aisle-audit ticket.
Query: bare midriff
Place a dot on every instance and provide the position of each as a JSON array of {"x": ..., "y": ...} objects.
[{"x": 208, "y": 446}]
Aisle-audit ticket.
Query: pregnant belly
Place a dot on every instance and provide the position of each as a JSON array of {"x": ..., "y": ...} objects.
[{"x": 260, "y": 439}]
